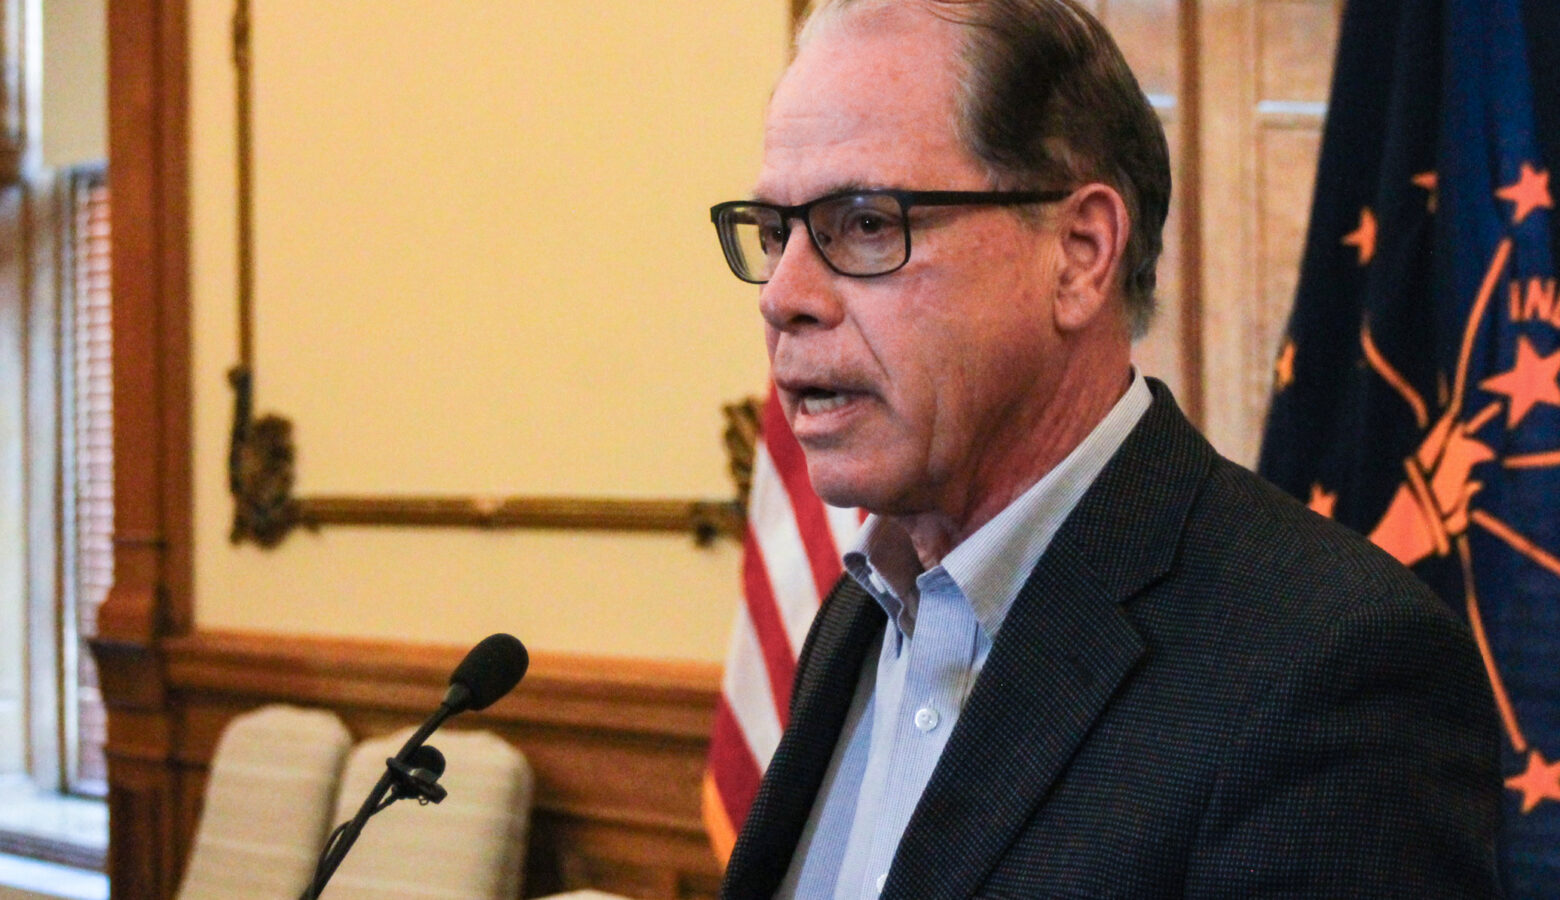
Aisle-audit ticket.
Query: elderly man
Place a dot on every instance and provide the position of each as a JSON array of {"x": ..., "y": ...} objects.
[{"x": 1077, "y": 653}]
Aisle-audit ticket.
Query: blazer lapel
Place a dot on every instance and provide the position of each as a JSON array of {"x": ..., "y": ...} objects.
[
  {"x": 828, "y": 669},
  {"x": 1065, "y": 648}
]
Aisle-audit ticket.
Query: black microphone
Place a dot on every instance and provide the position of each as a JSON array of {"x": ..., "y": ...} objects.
[{"x": 490, "y": 670}]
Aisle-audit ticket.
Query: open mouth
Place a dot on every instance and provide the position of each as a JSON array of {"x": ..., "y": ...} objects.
[{"x": 815, "y": 401}]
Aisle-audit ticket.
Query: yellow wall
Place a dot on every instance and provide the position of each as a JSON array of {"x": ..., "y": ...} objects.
[{"x": 484, "y": 267}]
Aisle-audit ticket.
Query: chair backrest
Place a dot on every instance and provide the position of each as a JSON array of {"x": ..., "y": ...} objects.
[
  {"x": 469, "y": 847},
  {"x": 268, "y": 803}
]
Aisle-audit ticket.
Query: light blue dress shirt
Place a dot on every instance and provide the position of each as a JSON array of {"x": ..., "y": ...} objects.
[{"x": 941, "y": 625}]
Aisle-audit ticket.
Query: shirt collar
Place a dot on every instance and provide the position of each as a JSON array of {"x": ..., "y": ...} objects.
[
  {"x": 992, "y": 564},
  {"x": 883, "y": 561}
]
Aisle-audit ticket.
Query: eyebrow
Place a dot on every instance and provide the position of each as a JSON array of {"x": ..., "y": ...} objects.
[{"x": 847, "y": 187}]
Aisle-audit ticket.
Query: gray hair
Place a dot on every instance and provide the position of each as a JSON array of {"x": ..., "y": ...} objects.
[{"x": 1047, "y": 101}]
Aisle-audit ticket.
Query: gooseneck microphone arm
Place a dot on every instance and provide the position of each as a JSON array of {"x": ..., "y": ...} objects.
[
  {"x": 488, "y": 672},
  {"x": 348, "y": 834}
]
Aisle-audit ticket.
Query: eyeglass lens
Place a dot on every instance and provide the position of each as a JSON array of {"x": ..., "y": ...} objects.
[{"x": 859, "y": 234}]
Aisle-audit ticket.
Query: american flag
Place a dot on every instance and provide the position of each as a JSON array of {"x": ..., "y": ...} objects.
[{"x": 790, "y": 560}]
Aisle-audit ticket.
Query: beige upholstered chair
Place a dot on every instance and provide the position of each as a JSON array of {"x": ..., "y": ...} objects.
[
  {"x": 469, "y": 847},
  {"x": 268, "y": 804}
]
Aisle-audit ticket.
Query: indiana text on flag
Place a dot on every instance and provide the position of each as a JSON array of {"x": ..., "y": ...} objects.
[
  {"x": 1417, "y": 395},
  {"x": 790, "y": 560}
]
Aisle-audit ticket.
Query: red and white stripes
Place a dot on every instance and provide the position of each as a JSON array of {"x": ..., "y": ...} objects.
[{"x": 791, "y": 558}]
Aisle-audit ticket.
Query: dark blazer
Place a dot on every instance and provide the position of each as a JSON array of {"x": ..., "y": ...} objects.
[{"x": 1202, "y": 690}]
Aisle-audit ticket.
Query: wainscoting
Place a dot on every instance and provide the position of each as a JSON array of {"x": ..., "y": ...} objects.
[{"x": 617, "y": 747}]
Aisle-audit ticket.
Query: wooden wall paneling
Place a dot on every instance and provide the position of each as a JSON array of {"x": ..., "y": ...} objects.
[
  {"x": 147, "y": 119},
  {"x": 139, "y": 797},
  {"x": 1166, "y": 352},
  {"x": 143, "y": 846},
  {"x": 627, "y": 860},
  {"x": 1226, "y": 35},
  {"x": 1186, "y": 208},
  {"x": 1264, "y": 75},
  {"x": 617, "y": 746},
  {"x": 1296, "y": 39},
  {"x": 1150, "y": 35},
  {"x": 1288, "y": 142}
]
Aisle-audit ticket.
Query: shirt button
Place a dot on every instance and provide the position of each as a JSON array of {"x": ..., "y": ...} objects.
[
  {"x": 926, "y": 718},
  {"x": 882, "y": 880}
]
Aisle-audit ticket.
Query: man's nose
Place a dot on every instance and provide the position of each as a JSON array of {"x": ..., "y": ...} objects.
[{"x": 801, "y": 290}]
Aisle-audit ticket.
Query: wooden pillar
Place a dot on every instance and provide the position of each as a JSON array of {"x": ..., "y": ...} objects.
[{"x": 150, "y": 599}]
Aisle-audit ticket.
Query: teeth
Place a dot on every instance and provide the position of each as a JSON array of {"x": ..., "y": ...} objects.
[{"x": 816, "y": 404}]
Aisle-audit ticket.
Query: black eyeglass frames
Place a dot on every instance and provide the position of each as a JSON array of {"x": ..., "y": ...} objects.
[{"x": 858, "y": 233}]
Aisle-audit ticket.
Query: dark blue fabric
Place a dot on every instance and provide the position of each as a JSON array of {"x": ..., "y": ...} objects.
[{"x": 1468, "y": 90}]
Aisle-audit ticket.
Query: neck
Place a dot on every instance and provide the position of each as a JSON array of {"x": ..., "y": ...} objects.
[{"x": 1077, "y": 408}]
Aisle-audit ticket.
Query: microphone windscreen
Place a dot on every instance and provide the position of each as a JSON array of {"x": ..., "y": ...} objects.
[{"x": 491, "y": 669}]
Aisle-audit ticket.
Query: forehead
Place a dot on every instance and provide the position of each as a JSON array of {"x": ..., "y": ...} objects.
[{"x": 870, "y": 101}]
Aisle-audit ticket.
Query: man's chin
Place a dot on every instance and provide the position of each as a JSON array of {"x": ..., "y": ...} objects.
[
  {"x": 852, "y": 487},
  {"x": 834, "y": 488}
]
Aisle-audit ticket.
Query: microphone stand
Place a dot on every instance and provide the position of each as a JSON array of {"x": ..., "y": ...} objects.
[
  {"x": 406, "y": 781},
  {"x": 491, "y": 669}
]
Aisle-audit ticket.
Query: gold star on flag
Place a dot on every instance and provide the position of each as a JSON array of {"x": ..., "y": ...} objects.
[
  {"x": 1532, "y": 380},
  {"x": 1322, "y": 501},
  {"x": 1284, "y": 368},
  {"x": 1540, "y": 782},
  {"x": 1529, "y": 192},
  {"x": 1427, "y": 180},
  {"x": 1364, "y": 237}
]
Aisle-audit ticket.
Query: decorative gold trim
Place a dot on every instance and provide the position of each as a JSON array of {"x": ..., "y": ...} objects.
[
  {"x": 742, "y": 420},
  {"x": 705, "y": 519},
  {"x": 799, "y": 11},
  {"x": 260, "y": 478},
  {"x": 261, "y": 454}
]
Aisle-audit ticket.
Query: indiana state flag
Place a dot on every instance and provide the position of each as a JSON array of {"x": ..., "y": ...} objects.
[{"x": 1417, "y": 392}]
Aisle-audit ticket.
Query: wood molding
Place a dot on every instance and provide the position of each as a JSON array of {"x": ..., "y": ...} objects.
[
  {"x": 1189, "y": 191},
  {"x": 148, "y": 163},
  {"x": 617, "y": 745},
  {"x": 704, "y": 519},
  {"x": 1226, "y": 161},
  {"x": 140, "y": 867},
  {"x": 654, "y": 698}
]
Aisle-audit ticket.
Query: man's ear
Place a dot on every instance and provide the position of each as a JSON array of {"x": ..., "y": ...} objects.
[{"x": 1092, "y": 228}]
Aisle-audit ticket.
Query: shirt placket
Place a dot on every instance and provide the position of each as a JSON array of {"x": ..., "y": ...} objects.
[{"x": 941, "y": 652}]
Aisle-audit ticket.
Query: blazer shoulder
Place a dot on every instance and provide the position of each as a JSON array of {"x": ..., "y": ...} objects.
[{"x": 1266, "y": 543}]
